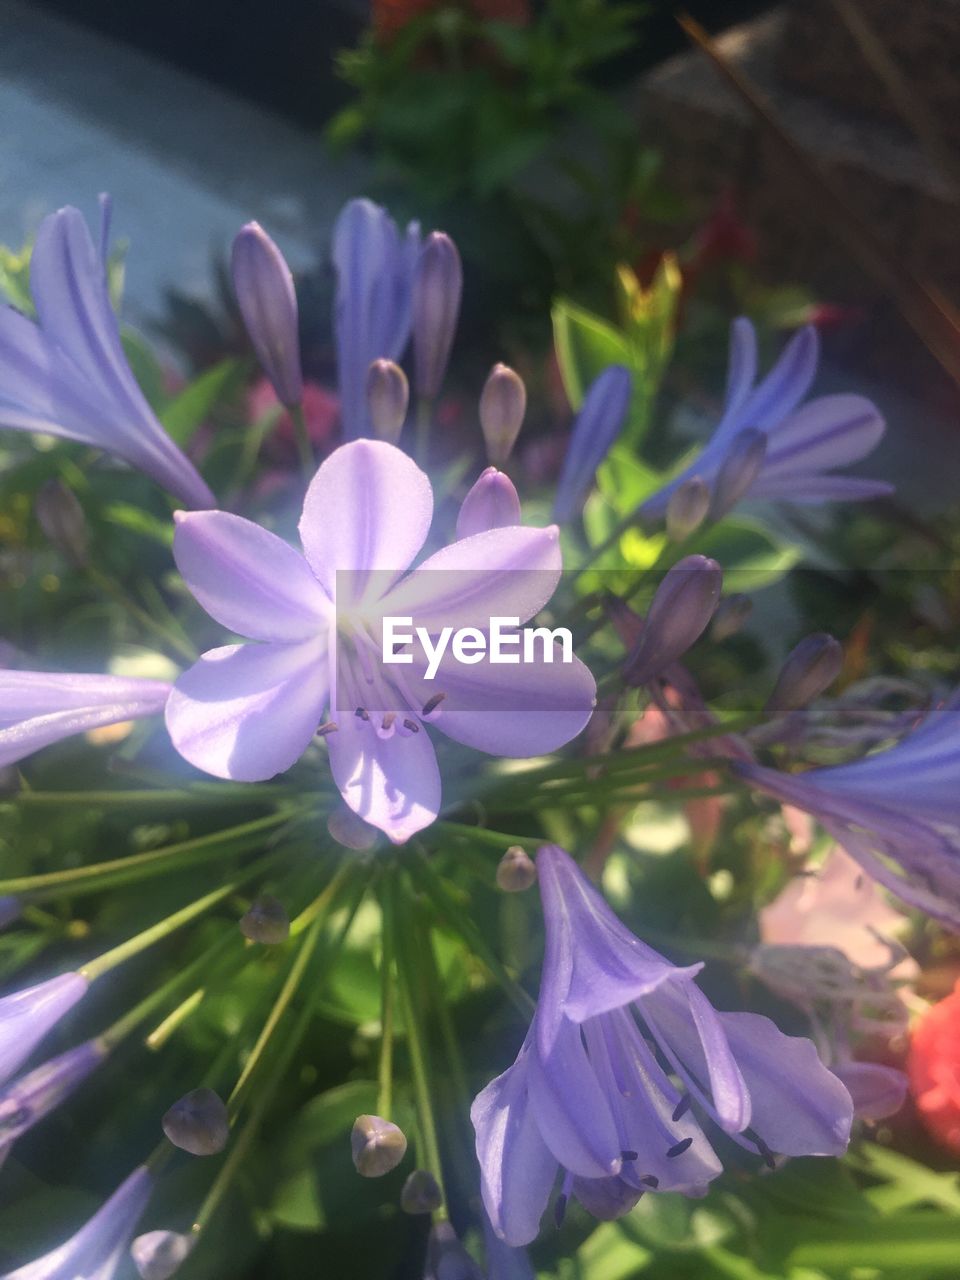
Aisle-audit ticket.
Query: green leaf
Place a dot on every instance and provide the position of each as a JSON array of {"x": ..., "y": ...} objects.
[
  {"x": 608, "y": 1254},
  {"x": 749, "y": 554},
  {"x": 904, "y": 1245},
  {"x": 143, "y": 523},
  {"x": 586, "y": 345},
  {"x": 187, "y": 411},
  {"x": 146, "y": 368}
]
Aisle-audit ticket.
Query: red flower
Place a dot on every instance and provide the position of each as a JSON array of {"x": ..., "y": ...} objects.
[
  {"x": 391, "y": 16},
  {"x": 933, "y": 1065}
]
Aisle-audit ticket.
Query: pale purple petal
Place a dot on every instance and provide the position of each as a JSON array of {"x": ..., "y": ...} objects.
[
  {"x": 504, "y": 1262},
  {"x": 392, "y": 783},
  {"x": 821, "y": 488},
  {"x": 829, "y": 432},
  {"x": 26, "y": 1016},
  {"x": 247, "y": 578},
  {"x": 248, "y": 712},
  {"x": 877, "y": 1091},
  {"x": 785, "y": 385},
  {"x": 36, "y": 1094},
  {"x": 741, "y": 365}
]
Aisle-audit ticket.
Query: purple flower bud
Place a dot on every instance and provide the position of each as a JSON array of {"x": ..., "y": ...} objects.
[
  {"x": 268, "y": 303},
  {"x": 679, "y": 613},
  {"x": 597, "y": 426},
  {"x": 687, "y": 509},
  {"x": 160, "y": 1254},
  {"x": 738, "y": 471},
  {"x": 35, "y": 1095},
  {"x": 388, "y": 394},
  {"x": 198, "y": 1123},
  {"x": 350, "y": 830},
  {"x": 26, "y": 1017},
  {"x": 10, "y": 909},
  {"x": 61, "y": 518},
  {"x": 503, "y": 402},
  {"x": 516, "y": 871},
  {"x": 492, "y": 503},
  {"x": 421, "y": 1193},
  {"x": 377, "y": 1146},
  {"x": 732, "y": 613},
  {"x": 436, "y": 306},
  {"x": 810, "y": 668},
  {"x": 267, "y": 921}
]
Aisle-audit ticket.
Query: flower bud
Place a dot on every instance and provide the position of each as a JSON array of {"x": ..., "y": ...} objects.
[
  {"x": 738, "y": 471},
  {"x": 160, "y": 1254},
  {"x": 679, "y": 613},
  {"x": 492, "y": 503},
  {"x": 10, "y": 908},
  {"x": 447, "y": 1259},
  {"x": 516, "y": 871},
  {"x": 61, "y": 518},
  {"x": 687, "y": 508},
  {"x": 388, "y": 395},
  {"x": 436, "y": 305},
  {"x": 267, "y": 921},
  {"x": 421, "y": 1193},
  {"x": 732, "y": 613},
  {"x": 377, "y": 1146},
  {"x": 810, "y": 668},
  {"x": 350, "y": 830},
  {"x": 503, "y": 402},
  {"x": 268, "y": 303},
  {"x": 198, "y": 1123},
  {"x": 599, "y": 422}
]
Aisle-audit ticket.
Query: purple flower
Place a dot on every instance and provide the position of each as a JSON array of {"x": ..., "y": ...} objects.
[
  {"x": 589, "y": 1090},
  {"x": 896, "y": 811},
  {"x": 492, "y": 503},
  {"x": 26, "y": 1016},
  {"x": 597, "y": 426},
  {"x": 268, "y": 303},
  {"x": 679, "y": 613},
  {"x": 67, "y": 375},
  {"x": 805, "y": 444},
  {"x": 41, "y": 707},
  {"x": 29, "y": 1099},
  {"x": 375, "y": 268},
  {"x": 437, "y": 287},
  {"x": 249, "y": 711},
  {"x": 99, "y": 1247}
]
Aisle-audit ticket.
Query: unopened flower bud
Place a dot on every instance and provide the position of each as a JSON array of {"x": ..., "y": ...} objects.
[
  {"x": 350, "y": 830},
  {"x": 268, "y": 303},
  {"x": 687, "y": 508},
  {"x": 810, "y": 668},
  {"x": 503, "y": 402},
  {"x": 738, "y": 471},
  {"x": 599, "y": 422},
  {"x": 267, "y": 921},
  {"x": 198, "y": 1123},
  {"x": 61, "y": 518},
  {"x": 10, "y": 908},
  {"x": 421, "y": 1193},
  {"x": 377, "y": 1146},
  {"x": 732, "y": 613},
  {"x": 679, "y": 613},
  {"x": 492, "y": 503},
  {"x": 516, "y": 871},
  {"x": 447, "y": 1259},
  {"x": 436, "y": 305},
  {"x": 158, "y": 1255},
  {"x": 388, "y": 395}
]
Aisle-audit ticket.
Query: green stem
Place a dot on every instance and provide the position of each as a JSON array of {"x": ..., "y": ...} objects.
[
  {"x": 388, "y": 993},
  {"x": 308, "y": 462},
  {"x": 321, "y": 902},
  {"x": 498, "y": 839},
  {"x": 113, "y": 589},
  {"x": 202, "y": 795}
]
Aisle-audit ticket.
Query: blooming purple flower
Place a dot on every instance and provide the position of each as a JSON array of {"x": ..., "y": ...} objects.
[
  {"x": 67, "y": 374},
  {"x": 98, "y": 1248},
  {"x": 597, "y": 425},
  {"x": 375, "y": 268},
  {"x": 26, "y": 1016},
  {"x": 249, "y": 711},
  {"x": 805, "y": 444},
  {"x": 896, "y": 811},
  {"x": 33, "y": 1096},
  {"x": 590, "y": 1092},
  {"x": 268, "y": 303},
  {"x": 41, "y": 707}
]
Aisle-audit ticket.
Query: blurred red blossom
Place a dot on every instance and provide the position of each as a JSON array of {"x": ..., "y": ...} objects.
[
  {"x": 391, "y": 16},
  {"x": 321, "y": 410},
  {"x": 933, "y": 1065}
]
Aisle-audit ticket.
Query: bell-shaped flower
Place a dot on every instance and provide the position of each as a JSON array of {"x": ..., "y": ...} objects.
[
  {"x": 896, "y": 811},
  {"x": 803, "y": 445},
  {"x": 41, "y": 707},
  {"x": 597, "y": 425},
  {"x": 33, "y": 1096},
  {"x": 26, "y": 1016},
  {"x": 626, "y": 1070},
  {"x": 66, "y": 375},
  {"x": 249, "y": 711},
  {"x": 100, "y": 1246},
  {"x": 373, "y": 310}
]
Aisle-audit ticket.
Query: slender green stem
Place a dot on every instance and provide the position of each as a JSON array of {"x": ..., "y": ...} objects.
[
  {"x": 499, "y": 839},
  {"x": 175, "y": 1019},
  {"x": 387, "y": 1001},
  {"x": 308, "y": 462},
  {"x": 113, "y": 589},
  {"x": 321, "y": 902},
  {"x": 172, "y": 797}
]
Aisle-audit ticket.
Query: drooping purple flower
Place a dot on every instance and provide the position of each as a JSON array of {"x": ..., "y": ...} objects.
[
  {"x": 896, "y": 811},
  {"x": 597, "y": 425},
  {"x": 96, "y": 1251},
  {"x": 804, "y": 445},
  {"x": 26, "y": 1016},
  {"x": 41, "y": 707},
  {"x": 492, "y": 503},
  {"x": 35, "y": 1095},
  {"x": 249, "y": 711},
  {"x": 375, "y": 266},
  {"x": 67, "y": 375},
  {"x": 589, "y": 1091},
  {"x": 267, "y": 300}
]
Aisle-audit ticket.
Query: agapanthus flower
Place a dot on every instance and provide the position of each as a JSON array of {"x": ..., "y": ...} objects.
[
  {"x": 896, "y": 811},
  {"x": 41, "y": 707},
  {"x": 249, "y": 711},
  {"x": 99, "y": 1247},
  {"x": 627, "y": 1068},
  {"x": 802, "y": 445},
  {"x": 33, "y": 1096},
  {"x": 26, "y": 1016},
  {"x": 66, "y": 375}
]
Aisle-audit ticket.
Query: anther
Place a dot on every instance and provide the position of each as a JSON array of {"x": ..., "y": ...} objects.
[
  {"x": 679, "y": 1148},
  {"x": 560, "y": 1210},
  {"x": 328, "y": 727},
  {"x": 682, "y": 1107},
  {"x": 765, "y": 1153},
  {"x": 362, "y": 713},
  {"x": 431, "y": 704},
  {"x": 650, "y": 1181},
  {"x": 411, "y": 725},
  {"x": 629, "y": 1155},
  {"x": 388, "y": 719}
]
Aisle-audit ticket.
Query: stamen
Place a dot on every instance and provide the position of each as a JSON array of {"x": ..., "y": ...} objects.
[
  {"x": 765, "y": 1153},
  {"x": 679, "y": 1148},
  {"x": 682, "y": 1107},
  {"x": 431, "y": 704},
  {"x": 651, "y": 1181},
  {"x": 362, "y": 714},
  {"x": 328, "y": 727},
  {"x": 560, "y": 1209},
  {"x": 629, "y": 1155},
  {"x": 411, "y": 725}
]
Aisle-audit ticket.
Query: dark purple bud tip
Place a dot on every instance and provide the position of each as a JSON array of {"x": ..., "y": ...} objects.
[
  {"x": 377, "y": 1146},
  {"x": 61, "y": 518},
  {"x": 679, "y": 613},
  {"x": 503, "y": 402},
  {"x": 198, "y": 1123},
  {"x": 516, "y": 871},
  {"x": 421, "y": 1193},
  {"x": 159, "y": 1254},
  {"x": 388, "y": 395},
  {"x": 687, "y": 508},
  {"x": 267, "y": 921},
  {"x": 810, "y": 668}
]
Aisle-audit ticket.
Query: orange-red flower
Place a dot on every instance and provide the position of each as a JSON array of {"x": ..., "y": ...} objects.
[{"x": 933, "y": 1065}]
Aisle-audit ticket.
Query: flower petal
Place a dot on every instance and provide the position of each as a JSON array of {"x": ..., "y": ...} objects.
[
  {"x": 827, "y": 433},
  {"x": 741, "y": 365},
  {"x": 392, "y": 783},
  {"x": 783, "y": 388},
  {"x": 820, "y": 488},
  {"x": 26, "y": 1016},
  {"x": 877, "y": 1091},
  {"x": 247, "y": 578},
  {"x": 249, "y": 711}
]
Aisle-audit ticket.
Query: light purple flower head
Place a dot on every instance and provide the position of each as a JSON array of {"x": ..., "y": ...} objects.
[
  {"x": 597, "y": 425},
  {"x": 67, "y": 375},
  {"x": 268, "y": 303},
  {"x": 33, "y": 1096},
  {"x": 249, "y": 711},
  {"x": 41, "y": 707},
  {"x": 100, "y": 1246},
  {"x": 375, "y": 266},
  {"x": 26, "y": 1016},
  {"x": 804, "y": 444},
  {"x": 896, "y": 811},
  {"x": 589, "y": 1093}
]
